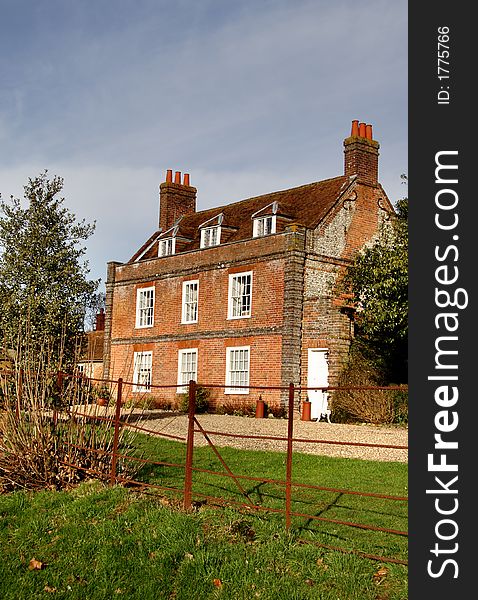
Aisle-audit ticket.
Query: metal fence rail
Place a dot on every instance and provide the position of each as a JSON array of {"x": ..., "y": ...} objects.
[{"x": 115, "y": 456}]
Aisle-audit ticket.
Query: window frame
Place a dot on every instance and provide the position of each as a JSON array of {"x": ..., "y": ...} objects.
[
  {"x": 217, "y": 228},
  {"x": 230, "y": 299},
  {"x": 138, "y": 386},
  {"x": 139, "y": 291},
  {"x": 184, "y": 320},
  {"x": 168, "y": 241},
  {"x": 258, "y": 220},
  {"x": 182, "y": 385},
  {"x": 229, "y": 388}
]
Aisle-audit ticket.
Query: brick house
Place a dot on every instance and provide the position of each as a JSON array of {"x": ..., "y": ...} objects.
[
  {"x": 245, "y": 293},
  {"x": 91, "y": 356}
]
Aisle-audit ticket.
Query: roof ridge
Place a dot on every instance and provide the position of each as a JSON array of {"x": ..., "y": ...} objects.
[{"x": 284, "y": 191}]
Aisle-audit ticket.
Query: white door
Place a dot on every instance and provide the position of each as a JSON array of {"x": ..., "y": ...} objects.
[{"x": 318, "y": 376}]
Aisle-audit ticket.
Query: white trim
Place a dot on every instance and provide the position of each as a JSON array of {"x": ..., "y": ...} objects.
[
  {"x": 230, "y": 305},
  {"x": 139, "y": 291},
  {"x": 138, "y": 366},
  {"x": 217, "y": 241},
  {"x": 319, "y": 398},
  {"x": 219, "y": 217},
  {"x": 166, "y": 242},
  {"x": 237, "y": 390},
  {"x": 182, "y": 385},
  {"x": 258, "y": 220},
  {"x": 274, "y": 205},
  {"x": 184, "y": 321}
]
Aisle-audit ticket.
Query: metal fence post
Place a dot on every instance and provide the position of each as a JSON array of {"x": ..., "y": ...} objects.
[
  {"x": 188, "y": 475},
  {"x": 288, "y": 475},
  {"x": 114, "y": 459}
]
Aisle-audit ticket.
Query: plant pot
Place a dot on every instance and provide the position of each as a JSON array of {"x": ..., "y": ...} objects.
[
  {"x": 102, "y": 402},
  {"x": 305, "y": 416},
  {"x": 260, "y": 409}
]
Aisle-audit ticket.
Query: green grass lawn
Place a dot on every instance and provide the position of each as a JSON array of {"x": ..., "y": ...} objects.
[
  {"x": 339, "y": 473},
  {"x": 98, "y": 542}
]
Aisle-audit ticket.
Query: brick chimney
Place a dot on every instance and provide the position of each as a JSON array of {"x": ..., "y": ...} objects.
[
  {"x": 176, "y": 199},
  {"x": 361, "y": 154},
  {"x": 100, "y": 320}
]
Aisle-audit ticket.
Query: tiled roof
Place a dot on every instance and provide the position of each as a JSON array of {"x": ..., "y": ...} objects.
[{"x": 306, "y": 205}]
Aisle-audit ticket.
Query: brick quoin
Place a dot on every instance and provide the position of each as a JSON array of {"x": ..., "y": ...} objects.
[{"x": 295, "y": 271}]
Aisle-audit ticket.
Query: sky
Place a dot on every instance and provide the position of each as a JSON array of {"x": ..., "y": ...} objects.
[{"x": 248, "y": 96}]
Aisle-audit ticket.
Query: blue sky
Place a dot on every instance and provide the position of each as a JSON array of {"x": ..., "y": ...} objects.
[{"x": 249, "y": 97}]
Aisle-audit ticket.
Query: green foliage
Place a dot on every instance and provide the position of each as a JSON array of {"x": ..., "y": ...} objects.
[
  {"x": 378, "y": 281},
  {"x": 202, "y": 400},
  {"x": 44, "y": 289},
  {"x": 101, "y": 391}
]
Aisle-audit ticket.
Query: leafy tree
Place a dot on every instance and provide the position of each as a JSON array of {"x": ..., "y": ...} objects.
[
  {"x": 378, "y": 281},
  {"x": 44, "y": 288}
]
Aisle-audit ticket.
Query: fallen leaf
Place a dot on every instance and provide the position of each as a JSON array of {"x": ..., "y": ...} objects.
[
  {"x": 320, "y": 563},
  {"x": 49, "y": 589},
  {"x": 309, "y": 582},
  {"x": 189, "y": 556},
  {"x": 217, "y": 583},
  {"x": 35, "y": 565},
  {"x": 380, "y": 575}
]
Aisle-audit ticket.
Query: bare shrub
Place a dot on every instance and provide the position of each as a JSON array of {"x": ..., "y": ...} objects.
[
  {"x": 236, "y": 409},
  {"x": 49, "y": 437},
  {"x": 365, "y": 405},
  {"x": 278, "y": 411}
]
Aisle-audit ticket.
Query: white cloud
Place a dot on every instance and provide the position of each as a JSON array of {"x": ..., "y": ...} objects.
[{"x": 248, "y": 97}]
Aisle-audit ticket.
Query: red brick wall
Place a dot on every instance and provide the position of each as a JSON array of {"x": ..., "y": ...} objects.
[
  {"x": 293, "y": 308},
  {"x": 176, "y": 200},
  {"x": 361, "y": 159},
  {"x": 265, "y": 360},
  {"x": 214, "y": 331},
  {"x": 267, "y": 300}
]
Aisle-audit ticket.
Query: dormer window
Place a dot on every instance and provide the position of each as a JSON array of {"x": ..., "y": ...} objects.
[
  {"x": 264, "y": 226},
  {"x": 210, "y": 236},
  {"x": 211, "y": 231},
  {"x": 167, "y": 246},
  {"x": 167, "y": 241}
]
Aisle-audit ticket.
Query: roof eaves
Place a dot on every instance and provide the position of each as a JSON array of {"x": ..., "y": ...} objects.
[{"x": 145, "y": 247}]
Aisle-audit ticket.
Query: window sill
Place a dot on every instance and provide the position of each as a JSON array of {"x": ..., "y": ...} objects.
[{"x": 229, "y": 318}]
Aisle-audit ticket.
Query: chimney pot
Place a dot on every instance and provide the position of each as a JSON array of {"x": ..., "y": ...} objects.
[
  {"x": 361, "y": 154},
  {"x": 175, "y": 201},
  {"x": 100, "y": 320},
  {"x": 169, "y": 176}
]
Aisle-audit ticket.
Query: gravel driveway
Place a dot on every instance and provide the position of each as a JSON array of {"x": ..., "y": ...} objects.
[{"x": 368, "y": 434}]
